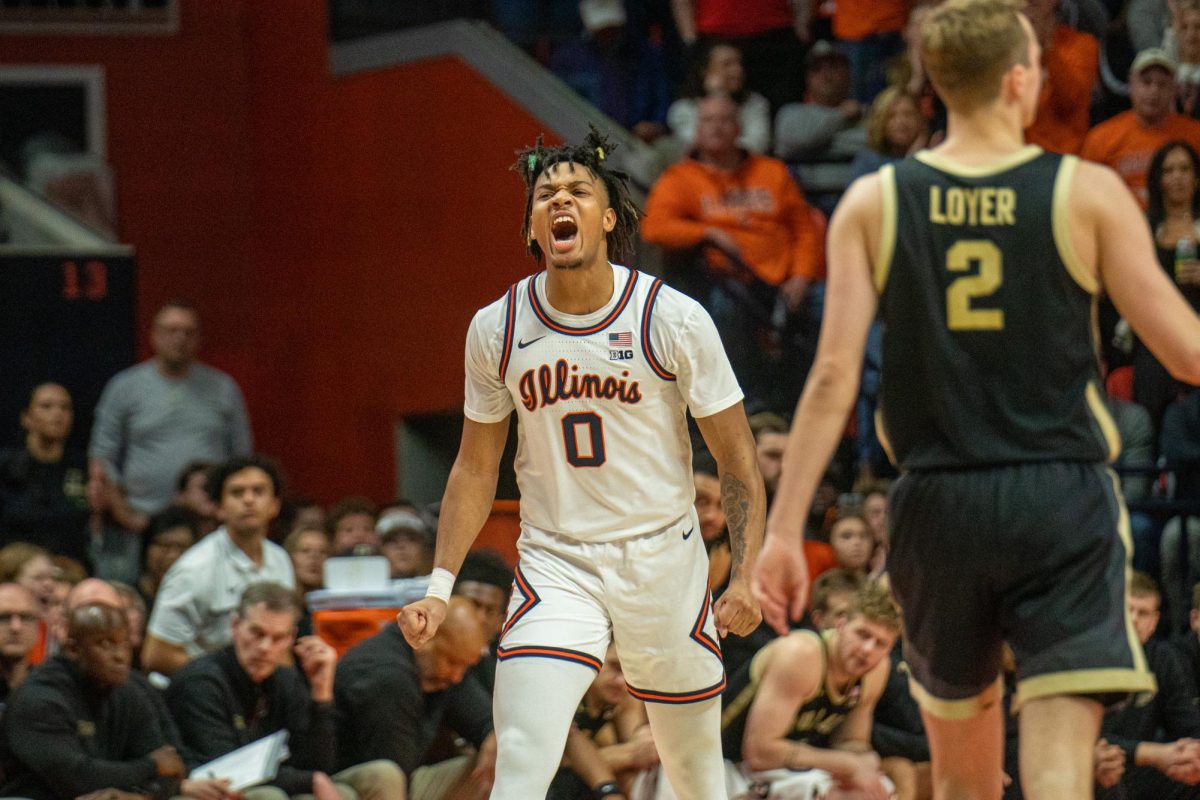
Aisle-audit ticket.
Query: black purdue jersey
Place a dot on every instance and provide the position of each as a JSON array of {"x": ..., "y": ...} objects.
[
  {"x": 989, "y": 344},
  {"x": 816, "y": 720}
]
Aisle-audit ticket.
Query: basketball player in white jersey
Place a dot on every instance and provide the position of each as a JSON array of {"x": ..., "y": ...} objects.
[{"x": 601, "y": 364}]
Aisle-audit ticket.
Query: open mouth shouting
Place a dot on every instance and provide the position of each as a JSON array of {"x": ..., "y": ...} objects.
[{"x": 564, "y": 232}]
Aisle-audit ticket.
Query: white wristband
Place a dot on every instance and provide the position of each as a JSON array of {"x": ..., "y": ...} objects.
[{"x": 441, "y": 583}]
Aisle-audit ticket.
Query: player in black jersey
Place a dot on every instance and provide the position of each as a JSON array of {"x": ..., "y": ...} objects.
[
  {"x": 984, "y": 258},
  {"x": 799, "y": 714}
]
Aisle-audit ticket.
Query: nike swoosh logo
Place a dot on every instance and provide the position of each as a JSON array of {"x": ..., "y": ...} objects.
[
  {"x": 523, "y": 344},
  {"x": 688, "y": 535}
]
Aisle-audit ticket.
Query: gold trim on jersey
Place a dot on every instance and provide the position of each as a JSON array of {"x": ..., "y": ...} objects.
[
  {"x": 734, "y": 708},
  {"x": 881, "y": 435},
  {"x": 1126, "y": 535},
  {"x": 1061, "y": 225},
  {"x": 887, "y": 230},
  {"x": 952, "y": 710},
  {"x": 1139, "y": 678},
  {"x": 940, "y": 162},
  {"x": 1084, "y": 681},
  {"x": 1108, "y": 427}
]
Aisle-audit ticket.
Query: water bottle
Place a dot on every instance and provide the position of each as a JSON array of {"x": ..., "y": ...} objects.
[{"x": 1185, "y": 251}]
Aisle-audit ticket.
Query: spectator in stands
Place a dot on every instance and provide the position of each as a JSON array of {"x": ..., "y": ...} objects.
[
  {"x": 718, "y": 70},
  {"x": 1071, "y": 65},
  {"x": 43, "y": 497},
  {"x": 407, "y": 543},
  {"x": 895, "y": 129},
  {"x": 191, "y": 492},
  {"x": 308, "y": 548},
  {"x": 310, "y": 514},
  {"x": 1149, "y": 23},
  {"x": 1179, "y": 448},
  {"x": 762, "y": 252},
  {"x": 1187, "y": 645},
  {"x": 871, "y": 33},
  {"x": 799, "y": 715},
  {"x": 167, "y": 537},
  {"x": 1127, "y": 142},
  {"x": 1186, "y": 27},
  {"x": 909, "y": 72},
  {"x": 391, "y": 700},
  {"x": 770, "y": 33},
  {"x": 351, "y": 523},
  {"x": 79, "y": 724},
  {"x": 898, "y": 735},
  {"x": 621, "y": 74},
  {"x": 1174, "y": 217},
  {"x": 239, "y": 694},
  {"x": 770, "y": 439},
  {"x": 833, "y": 593},
  {"x": 30, "y": 566},
  {"x": 820, "y": 136},
  {"x": 1134, "y": 465},
  {"x": 853, "y": 543},
  {"x": 18, "y": 635},
  {"x": 1174, "y": 212},
  {"x": 537, "y": 26},
  {"x": 485, "y": 580},
  {"x": 875, "y": 512},
  {"x": 156, "y": 417},
  {"x": 135, "y": 612},
  {"x": 199, "y": 596},
  {"x": 711, "y": 515},
  {"x": 1159, "y": 738},
  {"x": 94, "y": 591},
  {"x": 616, "y": 747}
]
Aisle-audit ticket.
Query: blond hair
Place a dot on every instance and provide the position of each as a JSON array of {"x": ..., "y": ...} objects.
[
  {"x": 877, "y": 122},
  {"x": 968, "y": 45},
  {"x": 874, "y": 603}
]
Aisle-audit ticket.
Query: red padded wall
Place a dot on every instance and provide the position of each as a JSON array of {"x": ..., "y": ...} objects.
[{"x": 337, "y": 234}]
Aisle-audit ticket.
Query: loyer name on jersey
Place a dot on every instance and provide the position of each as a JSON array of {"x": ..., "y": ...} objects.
[{"x": 547, "y": 385}]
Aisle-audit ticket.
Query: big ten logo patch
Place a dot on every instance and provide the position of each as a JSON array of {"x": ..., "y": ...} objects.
[{"x": 620, "y": 355}]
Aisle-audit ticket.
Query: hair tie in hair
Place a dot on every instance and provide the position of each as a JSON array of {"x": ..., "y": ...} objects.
[
  {"x": 600, "y": 153},
  {"x": 532, "y": 162}
]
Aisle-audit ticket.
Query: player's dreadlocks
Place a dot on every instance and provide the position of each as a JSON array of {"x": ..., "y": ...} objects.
[{"x": 593, "y": 155}]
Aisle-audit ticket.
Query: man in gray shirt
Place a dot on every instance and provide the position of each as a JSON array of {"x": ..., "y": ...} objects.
[{"x": 156, "y": 417}]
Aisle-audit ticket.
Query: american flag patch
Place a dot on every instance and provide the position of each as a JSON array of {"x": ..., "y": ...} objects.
[{"x": 622, "y": 339}]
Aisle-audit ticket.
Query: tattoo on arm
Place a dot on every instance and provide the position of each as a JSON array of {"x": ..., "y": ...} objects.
[{"x": 735, "y": 500}]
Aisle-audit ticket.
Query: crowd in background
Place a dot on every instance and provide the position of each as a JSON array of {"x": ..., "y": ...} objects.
[{"x": 152, "y": 611}]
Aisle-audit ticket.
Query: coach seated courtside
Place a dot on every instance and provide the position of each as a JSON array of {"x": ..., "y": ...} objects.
[
  {"x": 78, "y": 725},
  {"x": 237, "y": 695},
  {"x": 392, "y": 699}
]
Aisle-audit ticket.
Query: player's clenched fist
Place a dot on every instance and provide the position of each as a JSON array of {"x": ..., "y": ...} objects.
[
  {"x": 737, "y": 611},
  {"x": 419, "y": 621}
]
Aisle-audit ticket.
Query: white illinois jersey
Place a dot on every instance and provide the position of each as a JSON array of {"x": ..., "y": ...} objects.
[{"x": 603, "y": 449}]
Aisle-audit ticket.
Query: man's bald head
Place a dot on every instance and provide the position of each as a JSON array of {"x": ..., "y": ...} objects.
[
  {"x": 98, "y": 642},
  {"x": 458, "y": 646},
  {"x": 93, "y": 591},
  {"x": 90, "y": 591},
  {"x": 94, "y": 618}
]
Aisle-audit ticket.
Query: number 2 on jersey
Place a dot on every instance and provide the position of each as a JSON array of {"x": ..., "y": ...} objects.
[
  {"x": 960, "y": 315},
  {"x": 583, "y": 436}
]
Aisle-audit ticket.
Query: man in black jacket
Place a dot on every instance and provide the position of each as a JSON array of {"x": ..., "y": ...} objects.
[
  {"x": 234, "y": 696},
  {"x": 391, "y": 702},
  {"x": 77, "y": 724},
  {"x": 1160, "y": 739}
]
